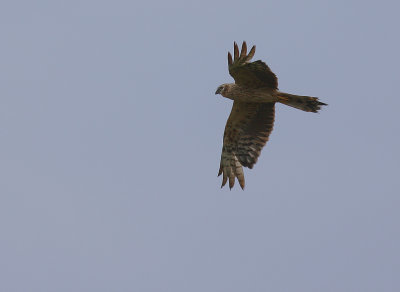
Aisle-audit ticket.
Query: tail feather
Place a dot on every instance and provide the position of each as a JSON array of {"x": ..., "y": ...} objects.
[{"x": 305, "y": 103}]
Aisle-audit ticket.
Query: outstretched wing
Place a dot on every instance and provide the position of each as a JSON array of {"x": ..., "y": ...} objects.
[
  {"x": 246, "y": 132},
  {"x": 253, "y": 75}
]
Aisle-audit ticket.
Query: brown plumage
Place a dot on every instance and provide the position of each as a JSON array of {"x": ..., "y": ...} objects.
[{"x": 250, "y": 123}]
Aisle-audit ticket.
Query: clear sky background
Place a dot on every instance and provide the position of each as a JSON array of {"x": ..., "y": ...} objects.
[{"x": 111, "y": 138}]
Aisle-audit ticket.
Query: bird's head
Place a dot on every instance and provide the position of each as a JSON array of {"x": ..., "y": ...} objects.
[{"x": 222, "y": 89}]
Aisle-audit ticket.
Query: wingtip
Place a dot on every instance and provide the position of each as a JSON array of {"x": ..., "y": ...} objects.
[
  {"x": 251, "y": 53},
  {"x": 230, "y": 61},
  {"x": 224, "y": 180},
  {"x": 236, "y": 50},
  {"x": 244, "y": 50}
]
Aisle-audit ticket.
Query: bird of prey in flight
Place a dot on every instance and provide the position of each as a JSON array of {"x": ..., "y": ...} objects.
[{"x": 250, "y": 123}]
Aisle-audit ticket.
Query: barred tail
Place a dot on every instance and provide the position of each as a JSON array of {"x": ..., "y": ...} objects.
[{"x": 305, "y": 103}]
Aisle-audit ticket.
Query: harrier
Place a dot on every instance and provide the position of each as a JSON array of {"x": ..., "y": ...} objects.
[{"x": 250, "y": 123}]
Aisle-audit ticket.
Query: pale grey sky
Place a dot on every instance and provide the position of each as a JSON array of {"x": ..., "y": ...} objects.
[{"x": 111, "y": 138}]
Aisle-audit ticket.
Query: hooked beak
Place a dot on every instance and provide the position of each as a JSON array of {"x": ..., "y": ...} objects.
[{"x": 219, "y": 89}]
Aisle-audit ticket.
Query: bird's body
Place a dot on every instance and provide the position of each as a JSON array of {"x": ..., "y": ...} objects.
[
  {"x": 244, "y": 94},
  {"x": 250, "y": 123}
]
